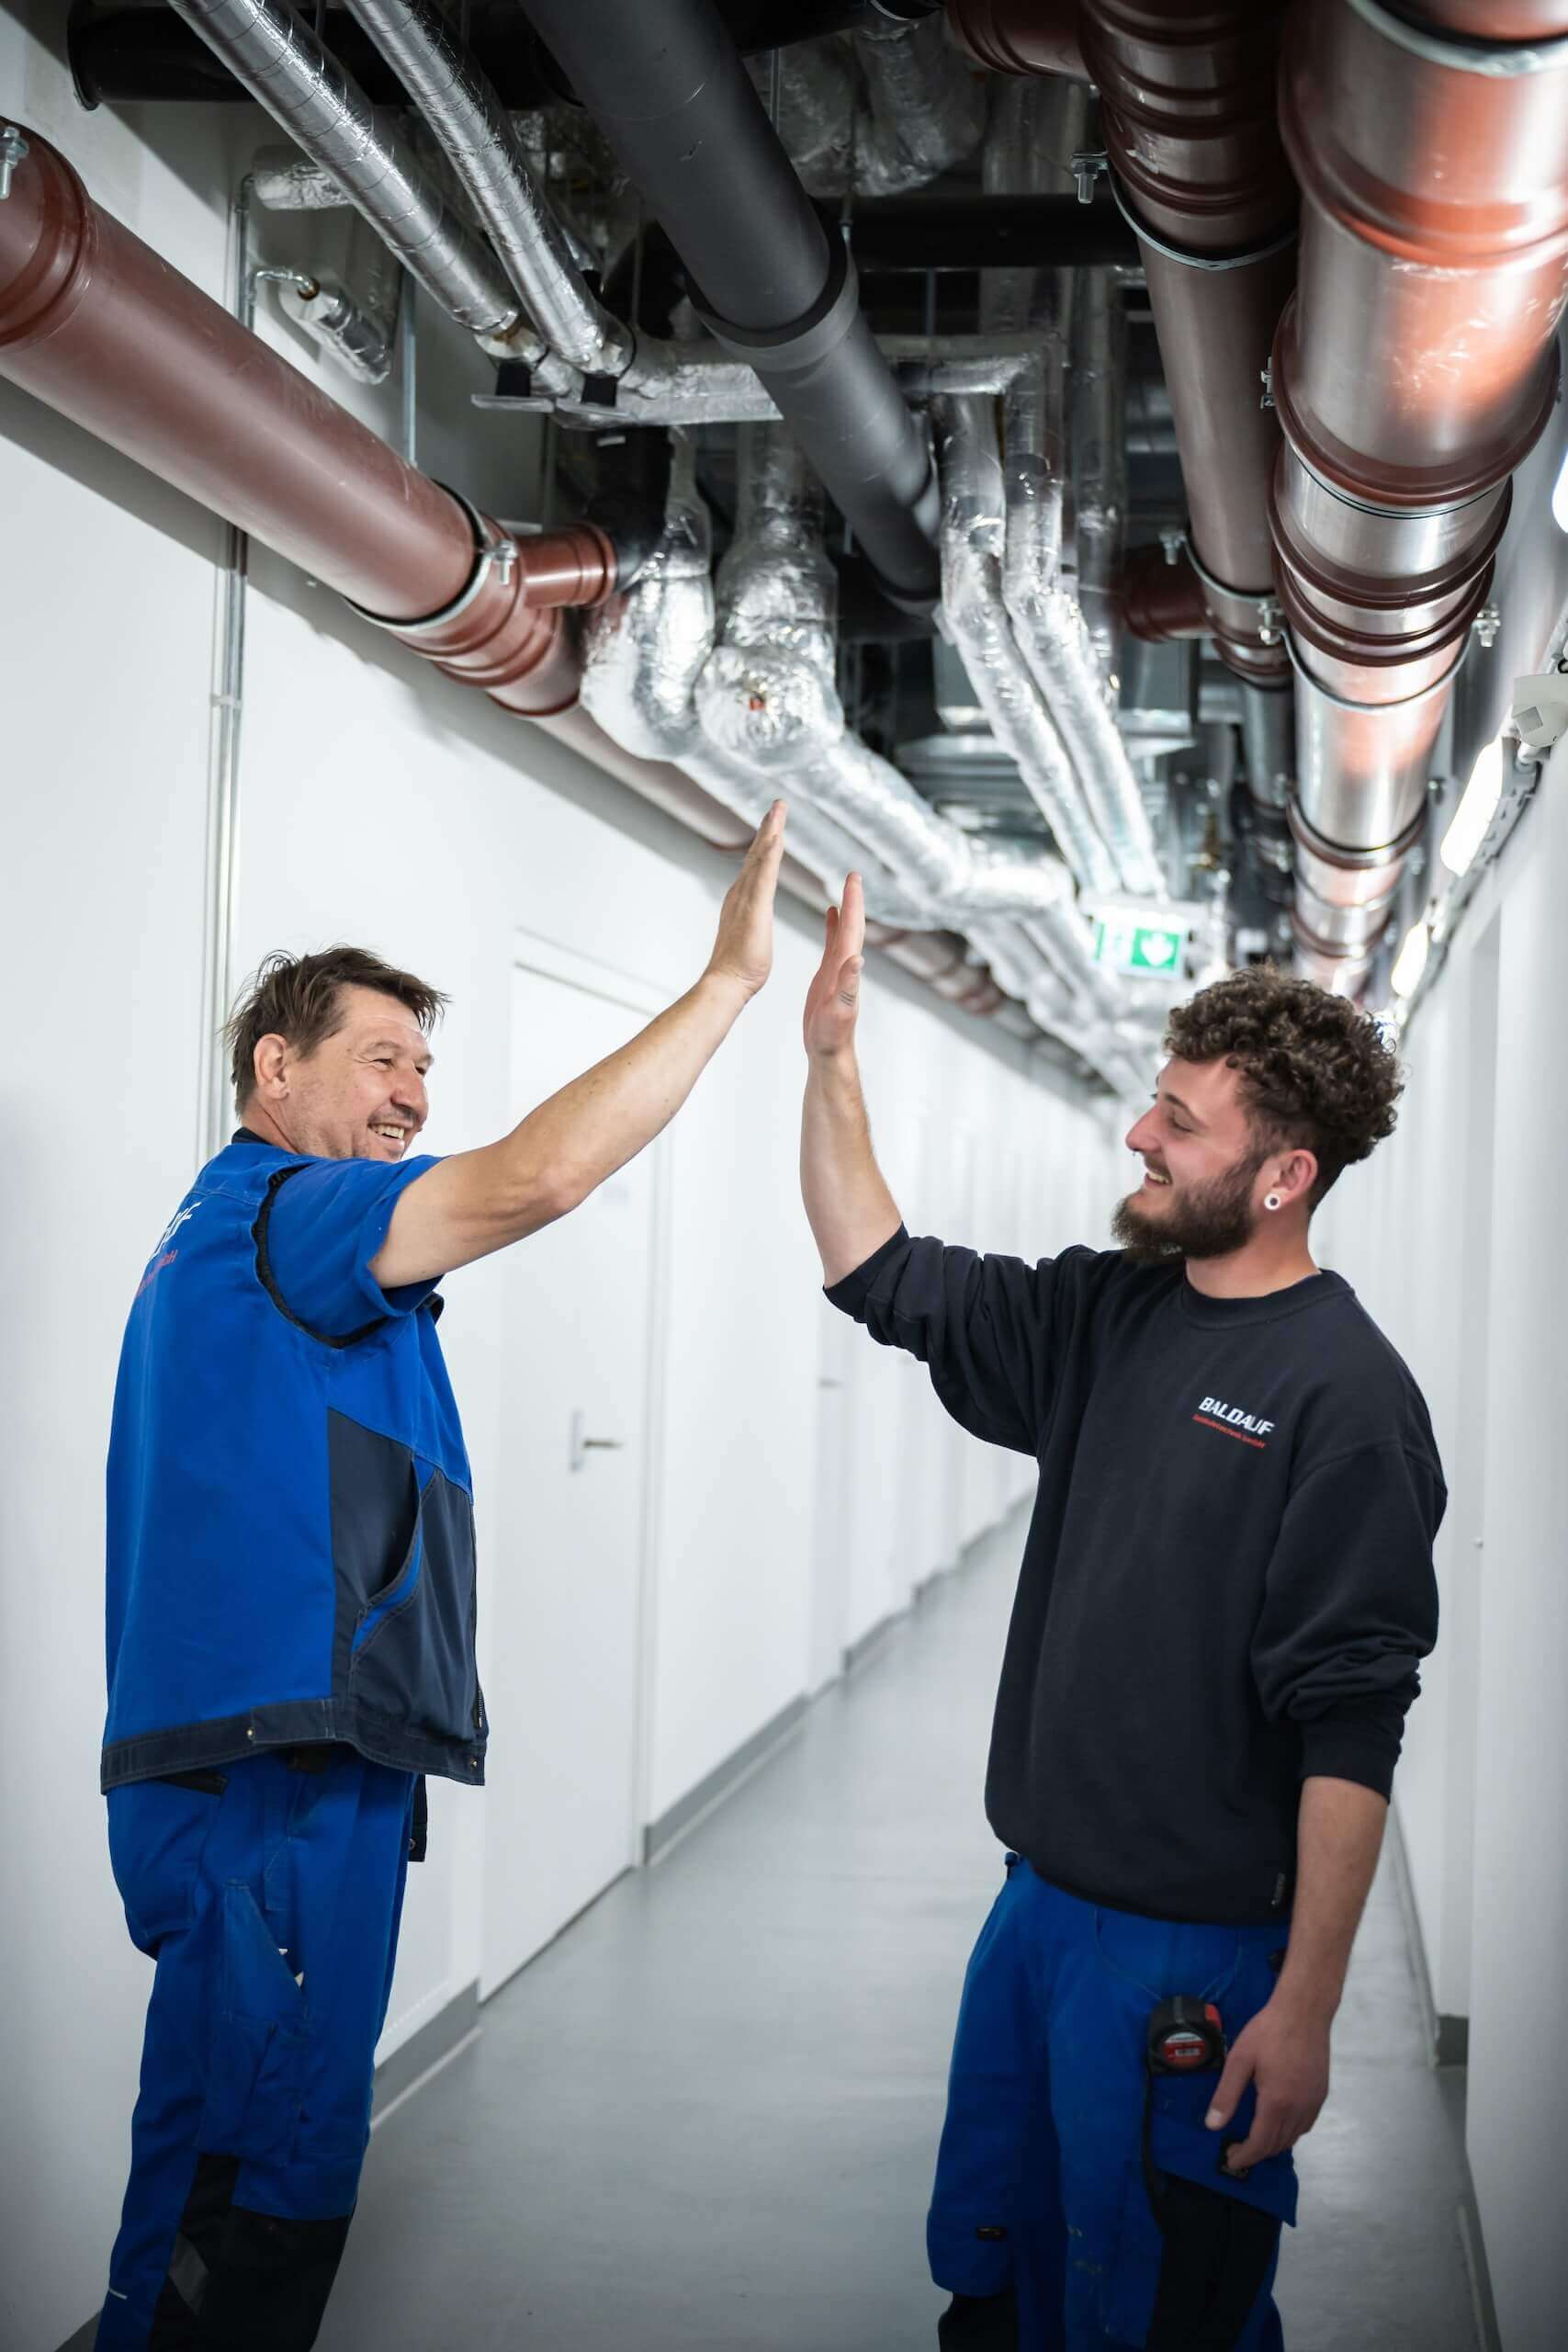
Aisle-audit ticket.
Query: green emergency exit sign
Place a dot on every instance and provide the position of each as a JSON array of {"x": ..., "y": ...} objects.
[{"x": 1153, "y": 947}]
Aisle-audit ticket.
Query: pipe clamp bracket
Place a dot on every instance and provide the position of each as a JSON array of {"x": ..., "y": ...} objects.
[
  {"x": 14, "y": 149},
  {"x": 490, "y": 548},
  {"x": 790, "y": 350},
  {"x": 1188, "y": 260}
]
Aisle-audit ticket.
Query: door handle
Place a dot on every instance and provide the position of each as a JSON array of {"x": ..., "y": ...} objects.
[
  {"x": 582, "y": 1445},
  {"x": 829, "y": 1384}
]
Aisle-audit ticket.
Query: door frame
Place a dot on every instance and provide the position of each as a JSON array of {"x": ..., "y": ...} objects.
[{"x": 550, "y": 960}]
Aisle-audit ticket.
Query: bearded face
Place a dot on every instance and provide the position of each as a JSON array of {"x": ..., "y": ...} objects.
[{"x": 1169, "y": 1218}]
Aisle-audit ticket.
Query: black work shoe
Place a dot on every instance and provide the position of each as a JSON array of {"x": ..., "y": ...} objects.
[{"x": 979, "y": 2323}]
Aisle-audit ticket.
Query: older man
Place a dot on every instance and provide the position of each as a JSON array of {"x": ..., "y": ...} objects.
[{"x": 291, "y": 1598}]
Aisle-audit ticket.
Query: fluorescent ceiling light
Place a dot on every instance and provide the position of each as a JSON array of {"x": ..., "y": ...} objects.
[
  {"x": 1560, "y": 499},
  {"x": 1411, "y": 961},
  {"x": 1475, "y": 811}
]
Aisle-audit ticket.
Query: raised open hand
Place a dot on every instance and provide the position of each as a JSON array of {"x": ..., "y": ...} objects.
[
  {"x": 833, "y": 1001},
  {"x": 744, "y": 948}
]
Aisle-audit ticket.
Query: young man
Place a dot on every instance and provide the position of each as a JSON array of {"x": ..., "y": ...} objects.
[
  {"x": 291, "y": 1598},
  {"x": 1226, "y": 1588}
]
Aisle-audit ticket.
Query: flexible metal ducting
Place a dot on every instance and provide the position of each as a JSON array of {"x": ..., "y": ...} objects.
[
  {"x": 973, "y": 617},
  {"x": 1034, "y": 129},
  {"x": 653, "y": 382},
  {"x": 744, "y": 702},
  {"x": 744, "y": 699},
  {"x": 668, "y": 90},
  {"x": 767, "y": 697},
  {"x": 273, "y": 52},
  {"x": 879, "y": 116},
  {"x": 477, "y": 136},
  {"x": 926, "y": 113},
  {"x": 1415, "y": 368}
]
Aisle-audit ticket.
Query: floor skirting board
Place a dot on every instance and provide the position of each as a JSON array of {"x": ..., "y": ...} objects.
[
  {"x": 871, "y": 1640},
  {"x": 1447, "y": 2046},
  {"x": 723, "y": 1781},
  {"x": 436, "y": 2041}
]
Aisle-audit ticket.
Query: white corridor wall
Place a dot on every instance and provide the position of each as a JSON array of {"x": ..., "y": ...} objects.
[
  {"x": 1452, "y": 1236},
  {"x": 379, "y": 803}
]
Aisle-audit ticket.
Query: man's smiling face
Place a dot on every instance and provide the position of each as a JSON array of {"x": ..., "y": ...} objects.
[
  {"x": 360, "y": 1094},
  {"x": 1200, "y": 1160}
]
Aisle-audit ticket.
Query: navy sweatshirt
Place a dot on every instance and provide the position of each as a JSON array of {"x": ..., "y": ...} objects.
[{"x": 1228, "y": 1576}]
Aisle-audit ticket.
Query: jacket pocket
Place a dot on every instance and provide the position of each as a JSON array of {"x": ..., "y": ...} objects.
[
  {"x": 413, "y": 1655},
  {"x": 398, "y": 1594},
  {"x": 403, "y": 1560}
]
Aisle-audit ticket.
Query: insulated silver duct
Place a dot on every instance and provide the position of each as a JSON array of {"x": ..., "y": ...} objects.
[
  {"x": 972, "y": 616},
  {"x": 1034, "y": 132},
  {"x": 767, "y": 696},
  {"x": 643, "y": 655},
  {"x": 658, "y": 682},
  {"x": 1050, "y": 629},
  {"x": 479, "y": 141},
  {"x": 274, "y": 53},
  {"x": 285, "y": 180},
  {"x": 887, "y": 110},
  {"x": 926, "y": 109}
]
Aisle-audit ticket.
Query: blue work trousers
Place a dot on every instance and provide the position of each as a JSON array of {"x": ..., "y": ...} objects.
[
  {"x": 269, "y": 1896},
  {"x": 1069, "y": 2181}
]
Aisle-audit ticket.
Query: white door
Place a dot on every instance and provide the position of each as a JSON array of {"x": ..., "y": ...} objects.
[{"x": 563, "y": 1680}]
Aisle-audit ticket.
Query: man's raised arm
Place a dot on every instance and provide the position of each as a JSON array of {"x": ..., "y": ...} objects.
[
  {"x": 477, "y": 1202},
  {"x": 850, "y": 1209}
]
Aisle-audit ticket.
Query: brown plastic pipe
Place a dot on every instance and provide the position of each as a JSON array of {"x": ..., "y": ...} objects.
[
  {"x": 1158, "y": 599},
  {"x": 1415, "y": 368},
  {"x": 1021, "y": 35},
  {"x": 97, "y": 326},
  {"x": 1189, "y": 110}
]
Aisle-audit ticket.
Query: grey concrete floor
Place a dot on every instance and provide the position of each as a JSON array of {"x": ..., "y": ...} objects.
[{"x": 704, "y": 2120}]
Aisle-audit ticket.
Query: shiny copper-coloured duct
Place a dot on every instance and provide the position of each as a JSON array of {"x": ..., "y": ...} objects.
[
  {"x": 96, "y": 325},
  {"x": 1188, "y": 95},
  {"x": 1413, "y": 371}
]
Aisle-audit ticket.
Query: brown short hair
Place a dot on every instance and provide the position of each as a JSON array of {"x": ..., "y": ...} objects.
[
  {"x": 1316, "y": 1074},
  {"x": 298, "y": 997}
]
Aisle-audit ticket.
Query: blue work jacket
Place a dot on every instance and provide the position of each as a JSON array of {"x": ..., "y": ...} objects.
[{"x": 290, "y": 1553}]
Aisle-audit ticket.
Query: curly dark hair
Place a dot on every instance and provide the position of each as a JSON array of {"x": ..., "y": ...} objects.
[
  {"x": 1316, "y": 1074},
  {"x": 297, "y": 997}
]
